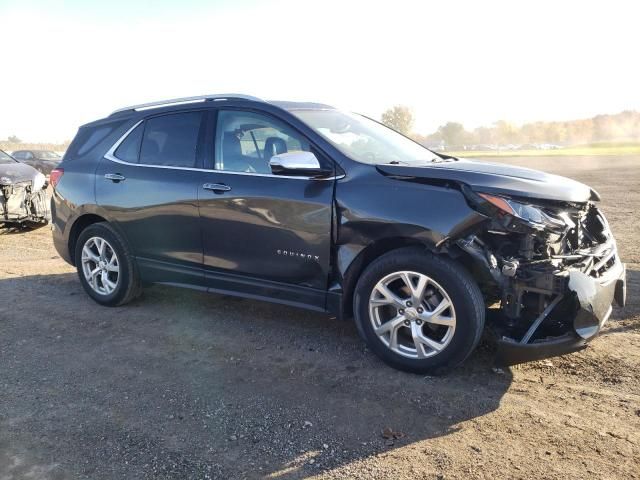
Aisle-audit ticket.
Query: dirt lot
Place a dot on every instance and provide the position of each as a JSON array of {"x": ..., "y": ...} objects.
[{"x": 182, "y": 384}]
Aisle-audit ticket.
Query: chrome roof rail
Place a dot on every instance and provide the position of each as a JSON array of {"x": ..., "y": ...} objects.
[{"x": 187, "y": 100}]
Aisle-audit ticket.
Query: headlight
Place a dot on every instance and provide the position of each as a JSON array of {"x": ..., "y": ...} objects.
[{"x": 532, "y": 215}]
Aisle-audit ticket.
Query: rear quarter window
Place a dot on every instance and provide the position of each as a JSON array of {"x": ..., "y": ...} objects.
[{"x": 88, "y": 138}]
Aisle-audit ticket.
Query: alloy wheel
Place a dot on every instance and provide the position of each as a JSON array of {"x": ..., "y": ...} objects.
[
  {"x": 100, "y": 265},
  {"x": 412, "y": 314}
]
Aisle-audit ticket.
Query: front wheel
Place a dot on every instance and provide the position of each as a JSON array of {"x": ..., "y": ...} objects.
[
  {"x": 105, "y": 266},
  {"x": 419, "y": 312}
]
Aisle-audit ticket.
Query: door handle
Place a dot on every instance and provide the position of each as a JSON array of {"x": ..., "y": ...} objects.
[
  {"x": 114, "y": 177},
  {"x": 216, "y": 187}
]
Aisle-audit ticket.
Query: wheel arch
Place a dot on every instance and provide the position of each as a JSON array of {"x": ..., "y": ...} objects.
[
  {"x": 364, "y": 258},
  {"x": 78, "y": 226}
]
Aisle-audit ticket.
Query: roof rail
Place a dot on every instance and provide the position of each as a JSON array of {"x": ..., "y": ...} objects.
[{"x": 186, "y": 100}]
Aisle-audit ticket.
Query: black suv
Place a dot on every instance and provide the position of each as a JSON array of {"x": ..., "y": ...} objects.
[{"x": 304, "y": 204}]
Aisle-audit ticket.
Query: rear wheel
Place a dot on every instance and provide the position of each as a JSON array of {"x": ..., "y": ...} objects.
[
  {"x": 419, "y": 312},
  {"x": 106, "y": 268}
]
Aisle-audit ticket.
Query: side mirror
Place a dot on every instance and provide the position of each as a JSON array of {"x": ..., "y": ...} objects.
[{"x": 299, "y": 164}]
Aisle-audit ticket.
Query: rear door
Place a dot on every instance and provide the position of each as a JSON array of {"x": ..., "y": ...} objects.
[
  {"x": 148, "y": 183},
  {"x": 264, "y": 235}
]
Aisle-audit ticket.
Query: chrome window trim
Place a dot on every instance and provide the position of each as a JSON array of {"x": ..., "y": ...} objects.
[{"x": 110, "y": 155}]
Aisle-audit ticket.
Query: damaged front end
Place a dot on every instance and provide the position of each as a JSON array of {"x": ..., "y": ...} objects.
[
  {"x": 23, "y": 201},
  {"x": 553, "y": 268}
]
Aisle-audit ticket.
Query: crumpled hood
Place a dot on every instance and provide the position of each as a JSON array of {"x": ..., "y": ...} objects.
[
  {"x": 11, "y": 173},
  {"x": 498, "y": 179}
]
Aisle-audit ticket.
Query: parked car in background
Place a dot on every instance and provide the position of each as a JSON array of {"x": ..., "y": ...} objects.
[
  {"x": 23, "y": 197},
  {"x": 307, "y": 205},
  {"x": 42, "y": 160}
]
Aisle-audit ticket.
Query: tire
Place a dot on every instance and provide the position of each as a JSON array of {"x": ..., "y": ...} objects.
[
  {"x": 427, "y": 339},
  {"x": 117, "y": 288}
]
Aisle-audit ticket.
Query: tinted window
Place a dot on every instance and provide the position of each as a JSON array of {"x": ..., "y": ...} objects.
[
  {"x": 89, "y": 137},
  {"x": 96, "y": 135},
  {"x": 171, "y": 140},
  {"x": 19, "y": 155},
  {"x": 245, "y": 141},
  {"x": 130, "y": 148}
]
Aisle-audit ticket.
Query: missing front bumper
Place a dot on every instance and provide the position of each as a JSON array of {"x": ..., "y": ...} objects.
[
  {"x": 594, "y": 299},
  {"x": 19, "y": 204}
]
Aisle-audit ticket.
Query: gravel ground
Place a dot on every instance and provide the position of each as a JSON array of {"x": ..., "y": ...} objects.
[{"x": 182, "y": 384}]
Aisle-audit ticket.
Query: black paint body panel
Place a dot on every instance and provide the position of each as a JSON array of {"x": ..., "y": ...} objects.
[
  {"x": 157, "y": 211},
  {"x": 500, "y": 179}
]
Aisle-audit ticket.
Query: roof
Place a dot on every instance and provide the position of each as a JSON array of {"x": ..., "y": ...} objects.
[
  {"x": 221, "y": 97},
  {"x": 300, "y": 105}
]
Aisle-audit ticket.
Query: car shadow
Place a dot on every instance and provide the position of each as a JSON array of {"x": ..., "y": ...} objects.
[
  {"x": 183, "y": 384},
  {"x": 12, "y": 228}
]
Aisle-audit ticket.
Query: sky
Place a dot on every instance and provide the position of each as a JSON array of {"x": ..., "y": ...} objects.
[{"x": 65, "y": 63}]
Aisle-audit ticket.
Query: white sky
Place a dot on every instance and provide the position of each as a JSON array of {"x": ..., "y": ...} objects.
[{"x": 65, "y": 63}]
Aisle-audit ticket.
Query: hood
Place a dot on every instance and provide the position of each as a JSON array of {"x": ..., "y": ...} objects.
[
  {"x": 11, "y": 173},
  {"x": 498, "y": 179}
]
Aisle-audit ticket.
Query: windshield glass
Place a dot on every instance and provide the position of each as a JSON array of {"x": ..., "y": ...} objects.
[
  {"x": 364, "y": 140},
  {"x": 46, "y": 155},
  {"x": 4, "y": 158}
]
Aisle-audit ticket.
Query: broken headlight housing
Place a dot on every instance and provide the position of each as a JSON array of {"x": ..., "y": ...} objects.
[{"x": 532, "y": 215}]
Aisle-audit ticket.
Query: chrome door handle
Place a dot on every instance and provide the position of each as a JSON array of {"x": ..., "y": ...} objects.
[
  {"x": 114, "y": 177},
  {"x": 216, "y": 187}
]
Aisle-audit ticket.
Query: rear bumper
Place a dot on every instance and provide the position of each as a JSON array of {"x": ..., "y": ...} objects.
[
  {"x": 594, "y": 306},
  {"x": 61, "y": 243}
]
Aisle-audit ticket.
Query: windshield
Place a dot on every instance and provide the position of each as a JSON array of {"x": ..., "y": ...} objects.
[
  {"x": 46, "y": 155},
  {"x": 4, "y": 158},
  {"x": 364, "y": 140}
]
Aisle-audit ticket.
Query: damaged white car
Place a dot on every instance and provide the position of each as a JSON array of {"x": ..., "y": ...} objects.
[{"x": 23, "y": 197}]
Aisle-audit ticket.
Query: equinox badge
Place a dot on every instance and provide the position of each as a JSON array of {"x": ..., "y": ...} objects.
[{"x": 289, "y": 253}]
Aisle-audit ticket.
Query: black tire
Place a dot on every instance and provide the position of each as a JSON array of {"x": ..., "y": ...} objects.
[
  {"x": 463, "y": 291},
  {"x": 128, "y": 284}
]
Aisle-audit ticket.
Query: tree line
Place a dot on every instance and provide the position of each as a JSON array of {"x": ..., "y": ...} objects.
[
  {"x": 623, "y": 126},
  {"x": 619, "y": 127}
]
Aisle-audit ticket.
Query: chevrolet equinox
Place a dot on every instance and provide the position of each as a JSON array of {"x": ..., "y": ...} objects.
[{"x": 310, "y": 206}]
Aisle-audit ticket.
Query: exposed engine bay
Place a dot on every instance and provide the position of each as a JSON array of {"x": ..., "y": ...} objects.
[
  {"x": 23, "y": 201},
  {"x": 552, "y": 267}
]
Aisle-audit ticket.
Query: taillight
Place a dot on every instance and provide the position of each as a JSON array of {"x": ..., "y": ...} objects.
[{"x": 55, "y": 176}]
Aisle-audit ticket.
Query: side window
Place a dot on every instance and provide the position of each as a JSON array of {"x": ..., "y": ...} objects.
[
  {"x": 28, "y": 156},
  {"x": 171, "y": 140},
  {"x": 18, "y": 155},
  {"x": 88, "y": 138},
  {"x": 129, "y": 149},
  {"x": 96, "y": 136},
  {"x": 246, "y": 141}
]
